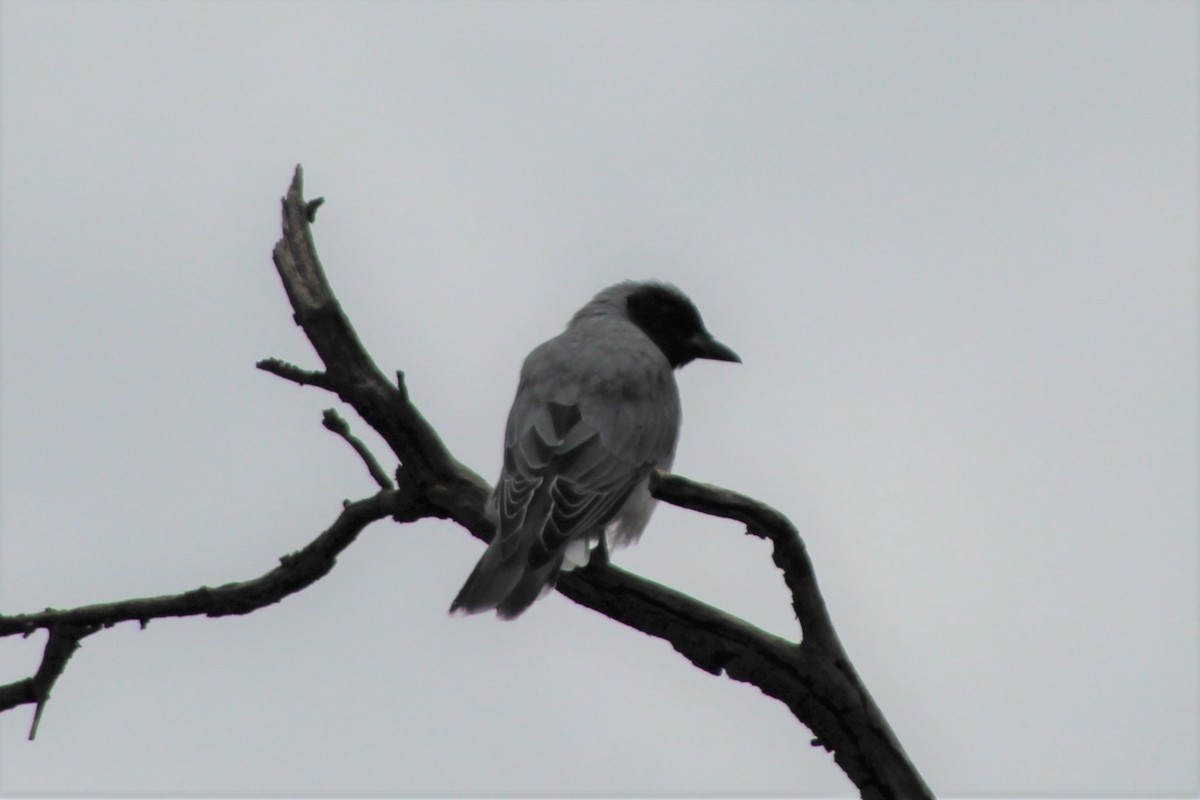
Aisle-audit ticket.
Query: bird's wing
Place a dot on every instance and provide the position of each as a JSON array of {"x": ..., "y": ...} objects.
[{"x": 584, "y": 453}]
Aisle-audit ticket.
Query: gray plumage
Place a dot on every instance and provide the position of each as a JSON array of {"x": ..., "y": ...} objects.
[{"x": 597, "y": 409}]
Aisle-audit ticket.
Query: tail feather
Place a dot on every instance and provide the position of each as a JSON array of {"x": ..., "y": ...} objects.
[
  {"x": 489, "y": 583},
  {"x": 535, "y": 583},
  {"x": 510, "y": 585}
]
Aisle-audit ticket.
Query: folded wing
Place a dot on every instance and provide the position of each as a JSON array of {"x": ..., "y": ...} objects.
[{"x": 570, "y": 465}]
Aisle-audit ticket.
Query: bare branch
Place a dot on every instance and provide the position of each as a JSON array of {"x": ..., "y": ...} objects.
[
  {"x": 356, "y": 378},
  {"x": 764, "y": 522},
  {"x": 61, "y": 644},
  {"x": 334, "y": 422},
  {"x": 310, "y": 209},
  {"x": 844, "y": 697},
  {"x": 295, "y": 572},
  {"x": 290, "y": 372},
  {"x": 814, "y": 677}
]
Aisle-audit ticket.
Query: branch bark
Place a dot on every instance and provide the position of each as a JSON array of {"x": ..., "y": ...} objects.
[
  {"x": 296, "y": 571},
  {"x": 813, "y": 677}
]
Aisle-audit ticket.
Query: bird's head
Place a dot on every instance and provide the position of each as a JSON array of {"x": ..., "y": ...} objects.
[{"x": 672, "y": 322}]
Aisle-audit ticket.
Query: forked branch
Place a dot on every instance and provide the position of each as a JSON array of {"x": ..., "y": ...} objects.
[{"x": 812, "y": 677}]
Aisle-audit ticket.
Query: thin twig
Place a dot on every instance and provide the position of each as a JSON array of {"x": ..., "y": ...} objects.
[
  {"x": 291, "y": 372},
  {"x": 310, "y": 209},
  {"x": 334, "y": 422},
  {"x": 60, "y": 646},
  {"x": 359, "y": 381}
]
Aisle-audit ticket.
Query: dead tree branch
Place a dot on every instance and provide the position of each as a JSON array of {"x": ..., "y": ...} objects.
[
  {"x": 296, "y": 571},
  {"x": 334, "y": 422},
  {"x": 813, "y": 677}
]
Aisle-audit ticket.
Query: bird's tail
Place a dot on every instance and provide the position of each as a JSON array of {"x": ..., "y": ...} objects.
[
  {"x": 508, "y": 585},
  {"x": 534, "y": 583},
  {"x": 489, "y": 583}
]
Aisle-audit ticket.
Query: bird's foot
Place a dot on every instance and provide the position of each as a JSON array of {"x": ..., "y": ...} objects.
[{"x": 599, "y": 556}]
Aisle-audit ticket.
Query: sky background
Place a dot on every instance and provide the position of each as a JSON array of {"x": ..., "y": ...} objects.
[{"x": 954, "y": 243}]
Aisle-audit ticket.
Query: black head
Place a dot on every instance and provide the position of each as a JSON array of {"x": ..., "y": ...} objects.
[{"x": 673, "y": 323}]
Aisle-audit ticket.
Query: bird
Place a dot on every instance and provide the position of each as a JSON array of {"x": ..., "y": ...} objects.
[{"x": 596, "y": 411}]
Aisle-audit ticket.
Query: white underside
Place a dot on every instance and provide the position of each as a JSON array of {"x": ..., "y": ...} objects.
[{"x": 624, "y": 529}]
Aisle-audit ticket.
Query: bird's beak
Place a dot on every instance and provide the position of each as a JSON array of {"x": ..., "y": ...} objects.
[{"x": 708, "y": 347}]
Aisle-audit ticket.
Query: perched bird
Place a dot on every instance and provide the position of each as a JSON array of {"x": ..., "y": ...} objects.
[{"x": 597, "y": 409}]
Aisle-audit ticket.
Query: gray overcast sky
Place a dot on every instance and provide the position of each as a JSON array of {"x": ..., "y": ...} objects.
[{"x": 955, "y": 244}]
